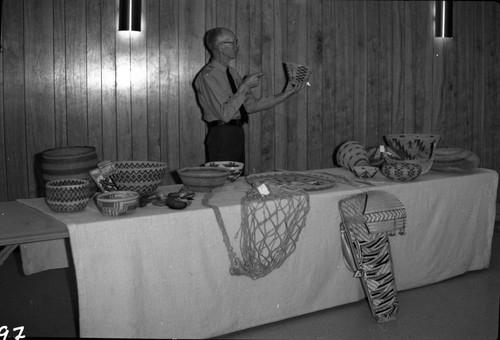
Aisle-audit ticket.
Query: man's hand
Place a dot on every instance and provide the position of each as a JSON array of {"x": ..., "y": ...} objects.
[
  {"x": 291, "y": 89},
  {"x": 250, "y": 81}
]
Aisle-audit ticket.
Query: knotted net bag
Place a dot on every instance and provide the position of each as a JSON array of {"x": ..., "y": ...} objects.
[{"x": 269, "y": 231}]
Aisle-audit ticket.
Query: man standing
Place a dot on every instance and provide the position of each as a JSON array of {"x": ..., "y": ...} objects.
[{"x": 226, "y": 99}]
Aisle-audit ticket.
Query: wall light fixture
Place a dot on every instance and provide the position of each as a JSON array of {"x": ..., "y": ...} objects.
[
  {"x": 444, "y": 19},
  {"x": 130, "y": 15}
]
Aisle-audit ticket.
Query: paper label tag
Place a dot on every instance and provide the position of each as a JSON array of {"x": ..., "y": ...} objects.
[{"x": 263, "y": 190}]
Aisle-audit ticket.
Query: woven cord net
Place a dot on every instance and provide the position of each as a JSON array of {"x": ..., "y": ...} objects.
[{"x": 269, "y": 231}]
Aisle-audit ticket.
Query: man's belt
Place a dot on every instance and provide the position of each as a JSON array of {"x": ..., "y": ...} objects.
[{"x": 233, "y": 122}]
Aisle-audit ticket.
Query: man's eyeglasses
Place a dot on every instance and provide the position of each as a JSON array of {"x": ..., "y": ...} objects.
[{"x": 234, "y": 42}]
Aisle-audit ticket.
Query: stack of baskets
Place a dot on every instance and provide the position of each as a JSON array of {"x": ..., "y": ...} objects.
[
  {"x": 72, "y": 162},
  {"x": 416, "y": 149},
  {"x": 404, "y": 157}
]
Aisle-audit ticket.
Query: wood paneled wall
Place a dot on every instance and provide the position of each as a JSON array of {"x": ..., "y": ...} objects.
[{"x": 68, "y": 77}]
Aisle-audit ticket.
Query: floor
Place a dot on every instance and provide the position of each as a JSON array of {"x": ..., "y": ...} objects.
[{"x": 464, "y": 307}]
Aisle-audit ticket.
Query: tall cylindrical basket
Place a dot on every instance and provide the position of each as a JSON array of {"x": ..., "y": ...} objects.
[{"x": 69, "y": 162}]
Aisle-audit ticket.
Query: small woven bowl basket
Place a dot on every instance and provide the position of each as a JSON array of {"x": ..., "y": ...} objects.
[
  {"x": 67, "y": 195},
  {"x": 117, "y": 203},
  {"x": 203, "y": 179},
  {"x": 401, "y": 171}
]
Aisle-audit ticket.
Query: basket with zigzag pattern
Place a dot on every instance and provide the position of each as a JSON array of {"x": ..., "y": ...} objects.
[
  {"x": 143, "y": 177},
  {"x": 368, "y": 219},
  {"x": 297, "y": 74},
  {"x": 67, "y": 195},
  {"x": 411, "y": 145}
]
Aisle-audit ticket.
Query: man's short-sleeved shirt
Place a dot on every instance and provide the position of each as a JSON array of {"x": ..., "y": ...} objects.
[{"x": 215, "y": 95}]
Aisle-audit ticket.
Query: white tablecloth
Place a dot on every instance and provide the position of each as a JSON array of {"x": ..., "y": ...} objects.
[{"x": 161, "y": 273}]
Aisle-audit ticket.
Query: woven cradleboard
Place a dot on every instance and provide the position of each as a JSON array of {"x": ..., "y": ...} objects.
[
  {"x": 368, "y": 219},
  {"x": 269, "y": 232}
]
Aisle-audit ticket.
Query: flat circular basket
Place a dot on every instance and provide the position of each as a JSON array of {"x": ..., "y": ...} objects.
[
  {"x": 455, "y": 159},
  {"x": 203, "y": 179},
  {"x": 308, "y": 181}
]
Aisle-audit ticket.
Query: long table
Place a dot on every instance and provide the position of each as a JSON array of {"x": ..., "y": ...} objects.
[{"x": 163, "y": 273}]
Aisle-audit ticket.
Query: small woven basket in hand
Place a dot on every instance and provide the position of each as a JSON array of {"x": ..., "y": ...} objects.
[
  {"x": 297, "y": 73},
  {"x": 203, "y": 179}
]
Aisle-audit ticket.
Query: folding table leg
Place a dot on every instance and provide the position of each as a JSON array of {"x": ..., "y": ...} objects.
[{"x": 5, "y": 252}]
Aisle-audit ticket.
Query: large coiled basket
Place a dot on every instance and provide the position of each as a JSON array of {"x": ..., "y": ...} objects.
[
  {"x": 143, "y": 177},
  {"x": 203, "y": 179}
]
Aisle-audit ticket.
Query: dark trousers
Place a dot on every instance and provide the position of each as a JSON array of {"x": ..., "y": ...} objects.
[{"x": 225, "y": 143}]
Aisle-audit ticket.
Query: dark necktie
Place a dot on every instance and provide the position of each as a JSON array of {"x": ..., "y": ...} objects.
[{"x": 243, "y": 112}]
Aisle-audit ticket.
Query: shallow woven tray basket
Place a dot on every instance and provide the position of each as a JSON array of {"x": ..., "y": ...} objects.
[{"x": 203, "y": 179}]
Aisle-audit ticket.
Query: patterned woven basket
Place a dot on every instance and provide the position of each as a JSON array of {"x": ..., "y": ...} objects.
[
  {"x": 375, "y": 157},
  {"x": 410, "y": 145},
  {"x": 236, "y": 168},
  {"x": 352, "y": 153},
  {"x": 67, "y": 195},
  {"x": 143, "y": 177},
  {"x": 401, "y": 171},
  {"x": 72, "y": 162},
  {"x": 203, "y": 179},
  {"x": 296, "y": 73},
  {"x": 424, "y": 162},
  {"x": 117, "y": 203}
]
